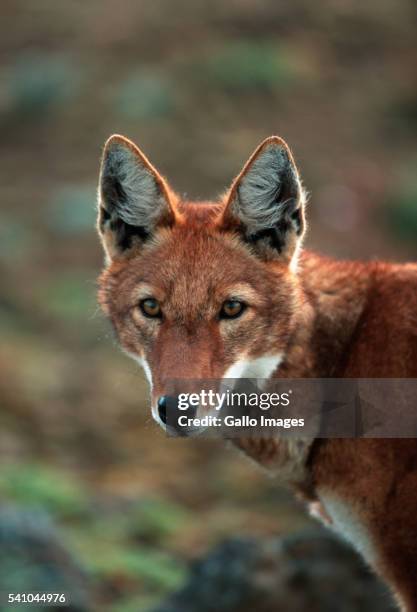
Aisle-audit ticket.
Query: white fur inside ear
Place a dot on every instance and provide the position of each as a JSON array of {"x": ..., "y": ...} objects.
[
  {"x": 141, "y": 200},
  {"x": 259, "y": 189}
]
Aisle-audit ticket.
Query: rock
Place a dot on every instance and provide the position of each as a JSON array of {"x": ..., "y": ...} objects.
[
  {"x": 33, "y": 559},
  {"x": 312, "y": 571}
]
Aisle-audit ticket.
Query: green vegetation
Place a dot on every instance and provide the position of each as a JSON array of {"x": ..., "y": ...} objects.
[
  {"x": 246, "y": 65},
  {"x": 17, "y": 241},
  {"x": 70, "y": 296},
  {"x": 39, "y": 82},
  {"x": 42, "y": 488},
  {"x": 71, "y": 210},
  {"x": 123, "y": 544},
  {"x": 401, "y": 208},
  {"x": 145, "y": 95}
]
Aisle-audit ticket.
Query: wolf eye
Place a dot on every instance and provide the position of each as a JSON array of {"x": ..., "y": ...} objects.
[
  {"x": 150, "y": 308},
  {"x": 232, "y": 309}
]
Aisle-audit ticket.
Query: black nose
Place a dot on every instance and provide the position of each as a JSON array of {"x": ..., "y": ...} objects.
[
  {"x": 169, "y": 412},
  {"x": 162, "y": 408}
]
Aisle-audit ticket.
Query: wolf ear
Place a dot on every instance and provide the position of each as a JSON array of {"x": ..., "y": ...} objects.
[
  {"x": 133, "y": 197},
  {"x": 266, "y": 202}
]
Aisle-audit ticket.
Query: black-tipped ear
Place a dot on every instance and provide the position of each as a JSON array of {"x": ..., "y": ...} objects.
[
  {"x": 266, "y": 201},
  {"x": 133, "y": 197}
]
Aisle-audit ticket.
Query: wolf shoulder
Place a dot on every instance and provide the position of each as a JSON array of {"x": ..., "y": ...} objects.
[{"x": 385, "y": 340}]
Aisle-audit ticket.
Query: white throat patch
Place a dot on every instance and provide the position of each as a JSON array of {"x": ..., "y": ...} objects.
[{"x": 259, "y": 368}]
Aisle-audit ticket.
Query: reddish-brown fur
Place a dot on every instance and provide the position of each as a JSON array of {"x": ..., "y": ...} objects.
[{"x": 329, "y": 319}]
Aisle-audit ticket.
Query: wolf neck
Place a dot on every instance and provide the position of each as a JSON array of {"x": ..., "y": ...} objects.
[
  {"x": 334, "y": 296},
  {"x": 332, "y": 300}
]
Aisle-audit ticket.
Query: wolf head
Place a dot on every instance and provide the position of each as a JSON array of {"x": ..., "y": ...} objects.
[{"x": 203, "y": 290}]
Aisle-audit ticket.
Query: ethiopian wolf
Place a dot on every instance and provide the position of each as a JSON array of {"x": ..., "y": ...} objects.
[{"x": 212, "y": 290}]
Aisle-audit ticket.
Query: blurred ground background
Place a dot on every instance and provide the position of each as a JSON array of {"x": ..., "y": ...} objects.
[{"x": 197, "y": 85}]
